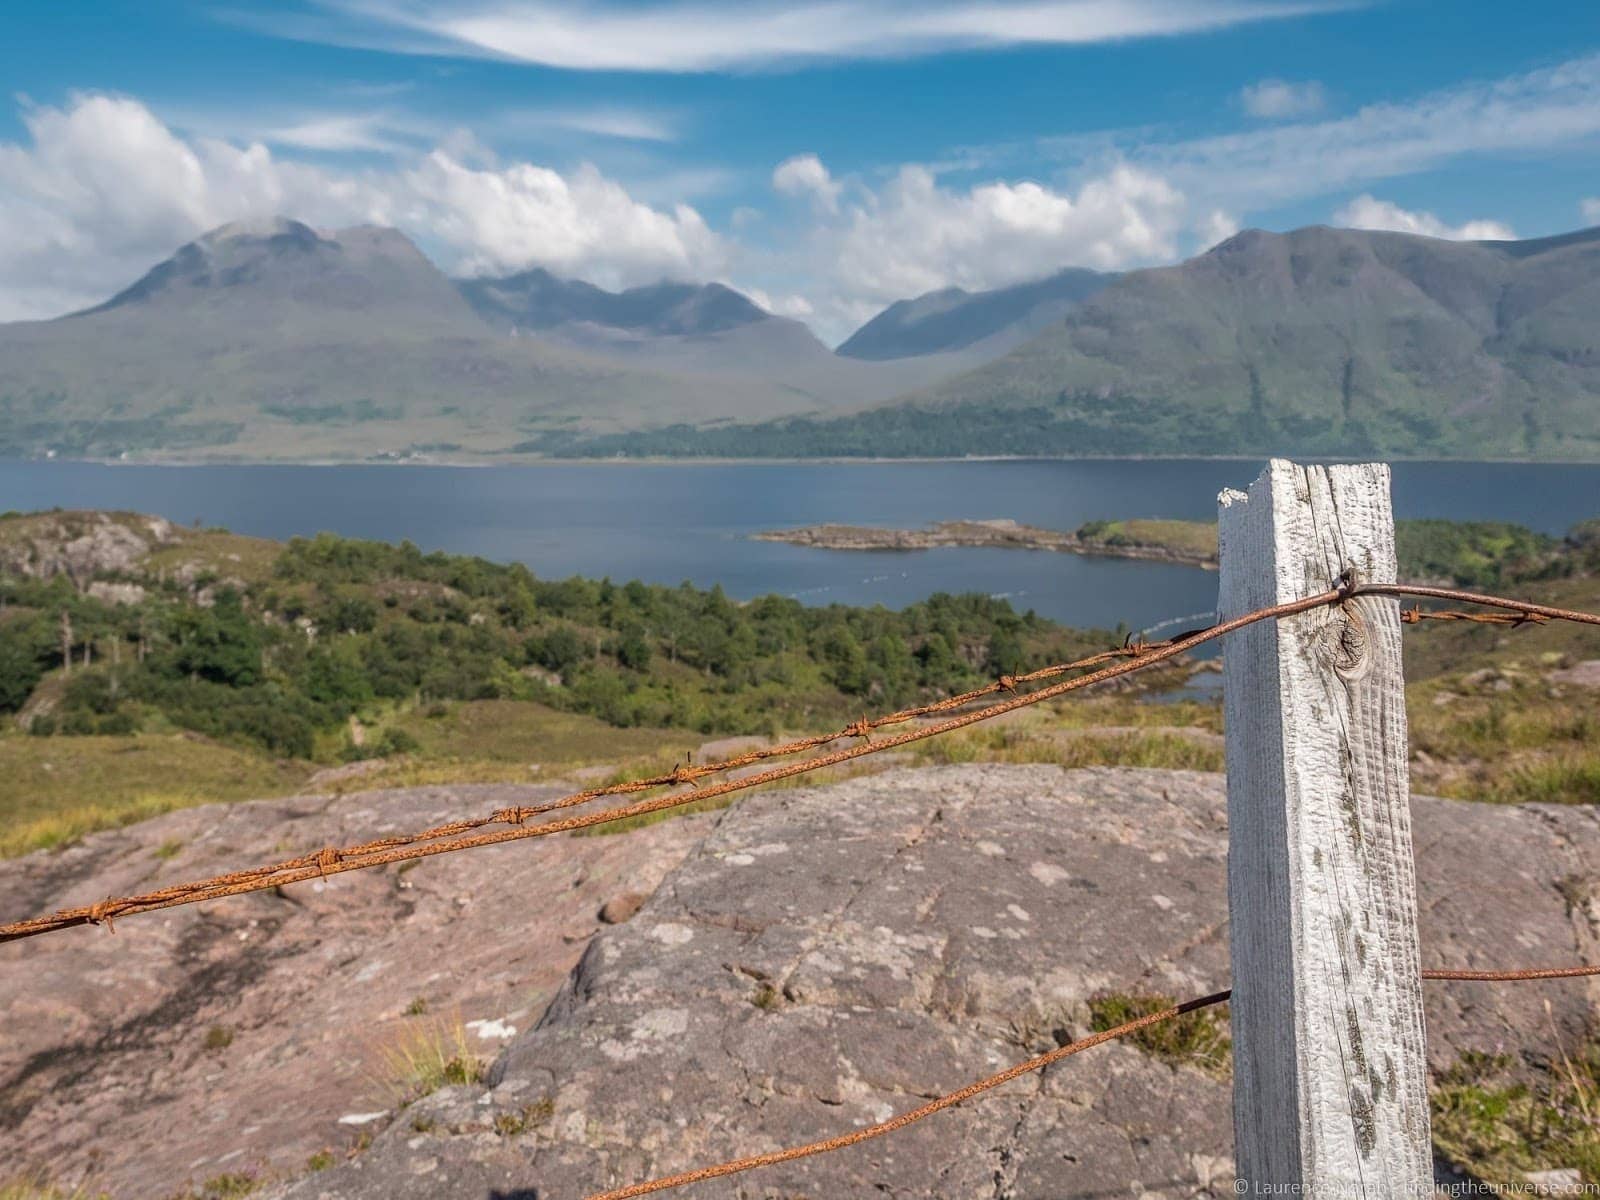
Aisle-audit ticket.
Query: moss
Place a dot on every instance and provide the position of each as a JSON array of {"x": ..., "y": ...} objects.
[
  {"x": 529, "y": 1116},
  {"x": 1198, "y": 1039},
  {"x": 218, "y": 1037}
]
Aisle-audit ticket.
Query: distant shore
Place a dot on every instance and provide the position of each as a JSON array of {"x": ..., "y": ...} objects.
[{"x": 1190, "y": 543}]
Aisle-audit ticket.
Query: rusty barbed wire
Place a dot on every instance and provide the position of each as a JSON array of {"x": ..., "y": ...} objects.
[
  {"x": 949, "y": 1100},
  {"x": 1413, "y": 616},
  {"x": 461, "y": 835},
  {"x": 856, "y": 1136},
  {"x": 1528, "y": 609}
]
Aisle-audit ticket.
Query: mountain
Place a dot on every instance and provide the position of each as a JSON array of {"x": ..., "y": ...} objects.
[
  {"x": 1320, "y": 341},
  {"x": 538, "y": 300},
  {"x": 985, "y": 324},
  {"x": 700, "y": 329},
  {"x": 277, "y": 340}
]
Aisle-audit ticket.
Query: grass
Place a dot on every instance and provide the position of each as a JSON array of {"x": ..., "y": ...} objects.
[
  {"x": 1042, "y": 742},
  {"x": 1197, "y": 538},
  {"x": 230, "y": 1185},
  {"x": 422, "y": 1057},
  {"x": 529, "y": 1116},
  {"x": 523, "y": 732},
  {"x": 1199, "y": 1039},
  {"x": 38, "y": 1187},
  {"x": 129, "y": 778},
  {"x": 1499, "y": 1122},
  {"x": 1506, "y": 738}
]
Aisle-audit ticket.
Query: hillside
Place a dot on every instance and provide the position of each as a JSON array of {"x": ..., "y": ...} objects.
[
  {"x": 983, "y": 324},
  {"x": 1320, "y": 341}
]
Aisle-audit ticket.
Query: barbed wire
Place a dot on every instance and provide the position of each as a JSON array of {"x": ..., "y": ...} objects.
[
  {"x": 1038, "y": 1063},
  {"x": 444, "y": 839},
  {"x": 462, "y": 834}
]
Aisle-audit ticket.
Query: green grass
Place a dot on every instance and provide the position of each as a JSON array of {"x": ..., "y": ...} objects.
[
  {"x": 59, "y": 789},
  {"x": 1197, "y": 538},
  {"x": 524, "y": 732}
]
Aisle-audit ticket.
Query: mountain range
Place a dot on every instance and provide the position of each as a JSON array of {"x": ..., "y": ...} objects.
[{"x": 275, "y": 340}]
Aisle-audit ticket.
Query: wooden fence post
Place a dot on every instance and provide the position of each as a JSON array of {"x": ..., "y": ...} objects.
[{"x": 1330, "y": 1070}]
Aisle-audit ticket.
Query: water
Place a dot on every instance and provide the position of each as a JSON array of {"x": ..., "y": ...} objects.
[{"x": 666, "y": 524}]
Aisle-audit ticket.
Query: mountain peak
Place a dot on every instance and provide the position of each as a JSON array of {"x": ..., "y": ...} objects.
[{"x": 277, "y": 268}]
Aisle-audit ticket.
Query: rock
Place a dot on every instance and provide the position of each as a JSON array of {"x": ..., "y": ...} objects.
[
  {"x": 824, "y": 959},
  {"x": 1583, "y": 674},
  {"x": 1562, "y": 1181},
  {"x": 620, "y": 908},
  {"x": 104, "y": 1062},
  {"x": 117, "y": 593}
]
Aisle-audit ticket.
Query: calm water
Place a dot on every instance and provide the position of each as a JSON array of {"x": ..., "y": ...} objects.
[{"x": 666, "y": 524}]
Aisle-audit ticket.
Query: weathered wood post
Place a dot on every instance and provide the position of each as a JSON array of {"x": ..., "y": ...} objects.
[{"x": 1330, "y": 1073}]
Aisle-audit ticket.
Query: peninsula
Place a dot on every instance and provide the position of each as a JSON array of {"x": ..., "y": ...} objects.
[{"x": 1193, "y": 543}]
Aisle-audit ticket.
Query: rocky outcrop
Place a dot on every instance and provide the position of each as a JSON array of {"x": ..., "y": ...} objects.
[
  {"x": 246, "y": 1035},
  {"x": 826, "y": 958},
  {"x": 81, "y": 545}
]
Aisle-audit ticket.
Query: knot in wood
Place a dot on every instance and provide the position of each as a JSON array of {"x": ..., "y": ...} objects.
[{"x": 1346, "y": 643}]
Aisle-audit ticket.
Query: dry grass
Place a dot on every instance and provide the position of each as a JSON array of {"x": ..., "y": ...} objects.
[
  {"x": 1506, "y": 737},
  {"x": 59, "y": 789},
  {"x": 38, "y": 1187},
  {"x": 420, "y": 1057}
]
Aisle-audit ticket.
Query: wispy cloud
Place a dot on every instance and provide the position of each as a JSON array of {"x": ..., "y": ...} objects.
[
  {"x": 1278, "y": 99},
  {"x": 718, "y": 35},
  {"x": 1537, "y": 111},
  {"x": 623, "y": 124},
  {"x": 340, "y": 132}
]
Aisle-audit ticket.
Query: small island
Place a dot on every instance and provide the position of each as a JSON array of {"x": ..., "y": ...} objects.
[{"x": 1192, "y": 543}]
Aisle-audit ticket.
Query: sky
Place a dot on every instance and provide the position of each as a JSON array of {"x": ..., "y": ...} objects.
[{"x": 827, "y": 157}]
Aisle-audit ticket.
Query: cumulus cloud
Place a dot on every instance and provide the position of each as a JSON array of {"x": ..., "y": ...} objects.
[
  {"x": 1215, "y": 227},
  {"x": 1590, "y": 207},
  {"x": 915, "y": 234},
  {"x": 1368, "y": 212},
  {"x": 1278, "y": 99},
  {"x": 714, "y": 35},
  {"x": 804, "y": 175},
  {"x": 101, "y": 189}
]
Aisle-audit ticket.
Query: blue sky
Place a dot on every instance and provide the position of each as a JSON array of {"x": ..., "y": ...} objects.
[{"x": 828, "y": 157}]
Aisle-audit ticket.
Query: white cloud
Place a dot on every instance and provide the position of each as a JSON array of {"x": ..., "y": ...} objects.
[
  {"x": 1278, "y": 99},
  {"x": 804, "y": 175},
  {"x": 1590, "y": 207},
  {"x": 1368, "y": 212},
  {"x": 102, "y": 189},
  {"x": 1214, "y": 228},
  {"x": 716, "y": 35},
  {"x": 915, "y": 234},
  {"x": 335, "y": 132}
]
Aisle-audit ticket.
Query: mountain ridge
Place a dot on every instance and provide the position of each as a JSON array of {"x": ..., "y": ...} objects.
[{"x": 1319, "y": 341}]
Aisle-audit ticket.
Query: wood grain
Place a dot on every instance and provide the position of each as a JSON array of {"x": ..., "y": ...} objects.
[{"x": 1330, "y": 1076}]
